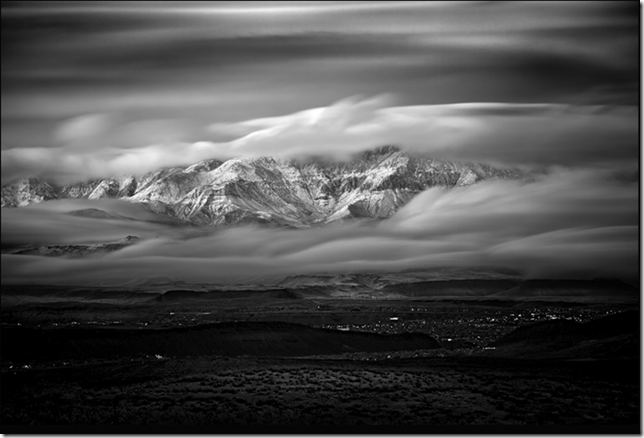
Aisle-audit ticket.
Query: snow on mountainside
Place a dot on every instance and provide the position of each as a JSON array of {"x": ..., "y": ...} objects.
[
  {"x": 26, "y": 191},
  {"x": 265, "y": 190}
]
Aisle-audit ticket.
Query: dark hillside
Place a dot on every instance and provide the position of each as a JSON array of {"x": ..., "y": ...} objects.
[
  {"x": 234, "y": 339},
  {"x": 612, "y": 336}
]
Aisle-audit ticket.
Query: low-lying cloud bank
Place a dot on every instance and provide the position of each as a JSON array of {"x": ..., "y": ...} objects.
[
  {"x": 496, "y": 133},
  {"x": 568, "y": 224},
  {"x": 50, "y": 223}
]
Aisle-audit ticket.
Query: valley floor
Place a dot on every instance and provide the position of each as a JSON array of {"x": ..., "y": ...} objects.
[{"x": 322, "y": 377}]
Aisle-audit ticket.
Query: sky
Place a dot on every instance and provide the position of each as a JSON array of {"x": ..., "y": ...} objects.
[
  {"x": 183, "y": 66},
  {"x": 100, "y": 89}
]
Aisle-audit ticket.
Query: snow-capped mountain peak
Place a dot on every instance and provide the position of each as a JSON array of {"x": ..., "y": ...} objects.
[{"x": 375, "y": 184}]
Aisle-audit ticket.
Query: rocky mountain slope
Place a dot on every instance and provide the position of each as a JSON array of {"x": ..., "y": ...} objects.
[{"x": 375, "y": 184}]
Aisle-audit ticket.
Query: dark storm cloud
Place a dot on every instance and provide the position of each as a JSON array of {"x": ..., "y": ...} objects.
[{"x": 579, "y": 224}]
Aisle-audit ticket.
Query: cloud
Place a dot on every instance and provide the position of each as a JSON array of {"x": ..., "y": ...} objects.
[
  {"x": 96, "y": 132},
  {"x": 558, "y": 200},
  {"x": 611, "y": 252},
  {"x": 83, "y": 129},
  {"x": 509, "y": 134},
  {"x": 50, "y": 223},
  {"x": 231, "y": 63},
  {"x": 495, "y": 133},
  {"x": 567, "y": 224}
]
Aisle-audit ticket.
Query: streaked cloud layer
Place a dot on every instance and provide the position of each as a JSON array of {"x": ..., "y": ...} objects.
[
  {"x": 229, "y": 62},
  {"x": 578, "y": 224}
]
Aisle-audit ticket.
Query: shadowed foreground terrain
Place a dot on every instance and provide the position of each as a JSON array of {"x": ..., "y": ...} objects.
[
  {"x": 246, "y": 391},
  {"x": 273, "y": 358}
]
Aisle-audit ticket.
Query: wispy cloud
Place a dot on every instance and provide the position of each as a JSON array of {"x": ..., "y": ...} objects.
[{"x": 508, "y": 134}]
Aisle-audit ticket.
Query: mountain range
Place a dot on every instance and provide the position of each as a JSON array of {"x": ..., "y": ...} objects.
[{"x": 264, "y": 190}]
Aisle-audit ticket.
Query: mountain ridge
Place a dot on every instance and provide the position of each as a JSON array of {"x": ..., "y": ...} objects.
[{"x": 265, "y": 190}]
